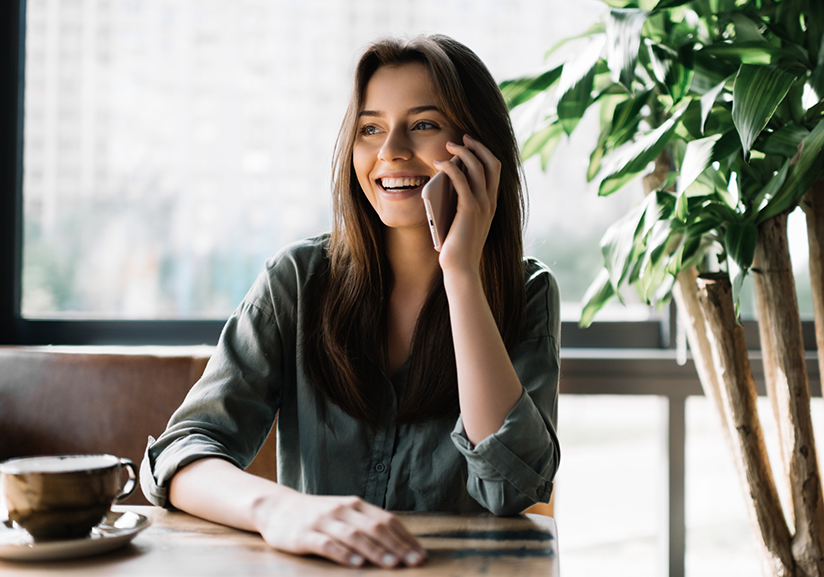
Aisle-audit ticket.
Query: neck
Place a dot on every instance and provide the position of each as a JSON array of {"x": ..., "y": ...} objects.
[{"x": 414, "y": 261}]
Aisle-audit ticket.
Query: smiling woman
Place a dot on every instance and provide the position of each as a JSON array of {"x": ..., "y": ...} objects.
[{"x": 402, "y": 377}]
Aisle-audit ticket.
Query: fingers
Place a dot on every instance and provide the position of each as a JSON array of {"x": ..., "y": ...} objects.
[
  {"x": 377, "y": 535},
  {"x": 352, "y": 532},
  {"x": 483, "y": 169},
  {"x": 318, "y": 543},
  {"x": 491, "y": 164},
  {"x": 389, "y": 533}
]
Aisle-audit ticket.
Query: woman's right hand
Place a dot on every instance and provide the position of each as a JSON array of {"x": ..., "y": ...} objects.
[{"x": 346, "y": 530}]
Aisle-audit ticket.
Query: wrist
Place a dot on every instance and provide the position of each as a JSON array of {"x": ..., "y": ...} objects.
[
  {"x": 459, "y": 280},
  {"x": 265, "y": 506}
]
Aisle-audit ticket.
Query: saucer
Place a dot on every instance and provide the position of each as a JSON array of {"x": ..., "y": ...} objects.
[{"x": 116, "y": 530}]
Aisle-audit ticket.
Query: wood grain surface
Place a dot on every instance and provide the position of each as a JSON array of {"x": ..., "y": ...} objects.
[{"x": 178, "y": 545}]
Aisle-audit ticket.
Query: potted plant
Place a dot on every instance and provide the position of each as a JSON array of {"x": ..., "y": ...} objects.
[{"x": 725, "y": 99}]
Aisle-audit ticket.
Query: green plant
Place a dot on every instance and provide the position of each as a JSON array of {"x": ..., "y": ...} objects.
[
  {"x": 725, "y": 99},
  {"x": 726, "y": 95}
]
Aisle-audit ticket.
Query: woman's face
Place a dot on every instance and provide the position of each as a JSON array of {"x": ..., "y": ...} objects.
[{"x": 401, "y": 132}]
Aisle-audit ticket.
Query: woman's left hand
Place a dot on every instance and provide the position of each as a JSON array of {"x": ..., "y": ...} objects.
[{"x": 477, "y": 191}]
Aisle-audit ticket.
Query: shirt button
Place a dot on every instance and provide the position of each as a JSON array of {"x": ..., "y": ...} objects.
[
  {"x": 380, "y": 467},
  {"x": 539, "y": 492}
]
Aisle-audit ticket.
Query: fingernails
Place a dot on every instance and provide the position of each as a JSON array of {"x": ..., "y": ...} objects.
[
  {"x": 412, "y": 558},
  {"x": 356, "y": 560},
  {"x": 450, "y": 143},
  {"x": 439, "y": 162},
  {"x": 388, "y": 559}
]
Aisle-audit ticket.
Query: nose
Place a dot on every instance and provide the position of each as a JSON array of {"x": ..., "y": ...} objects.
[{"x": 396, "y": 146}]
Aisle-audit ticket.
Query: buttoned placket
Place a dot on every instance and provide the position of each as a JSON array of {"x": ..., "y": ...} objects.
[{"x": 382, "y": 450}]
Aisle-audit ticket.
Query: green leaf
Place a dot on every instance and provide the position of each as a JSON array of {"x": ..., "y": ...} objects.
[
  {"x": 658, "y": 240},
  {"x": 598, "y": 153},
  {"x": 549, "y": 148},
  {"x": 739, "y": 242},
  {"x": 709, "y": 71},
  {"x": 769, "y": 190},
  {"x": 658, "y": 205},
  {"x": 547, "y": 137},
  {"x": 698, "y": 157},
  {"x": 813, "y": 11},
  {"x": 750, "y": 52},
  {"x": 727, "y": 149},
  {"x": 626, "y": 117},
  {"x": 623, "y": 40},
  {"x": 575, "y": 85},
  {"x": 806, "y": 169},
  {"x": 619, "y": 243},
  {"x": 746, "y": 30},
  {"x": 757, "y": 93},
  {"x": 718, "y": 120},
  {"x": 784, "y": 142},
  {"x": 670, "y": 69},
  {"x": 664, "y": 4},
  {"x": 599, "y": 293},
  {"x": 652, "y": 276},
  {"x": 694, "y": 245},
  {"x": 621, "y": 3},
  {"x": 632, "y": 159},
  {"x": 708, "y": 101},
  {"x": 816, "y": 80},
  {"x": 520, "y": 90}
]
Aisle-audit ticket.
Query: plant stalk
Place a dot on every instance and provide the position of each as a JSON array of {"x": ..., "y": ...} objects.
[
  {"x": 813, "y": 205},
  {"x": 783, "y": 349},
  {"x": 738, "y": 397}
]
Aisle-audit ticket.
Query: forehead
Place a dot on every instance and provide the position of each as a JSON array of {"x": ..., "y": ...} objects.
[{"x": 399, "y": 87}]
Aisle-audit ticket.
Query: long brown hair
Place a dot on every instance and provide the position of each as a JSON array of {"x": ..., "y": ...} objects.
[{"x": 346, "y": 344}]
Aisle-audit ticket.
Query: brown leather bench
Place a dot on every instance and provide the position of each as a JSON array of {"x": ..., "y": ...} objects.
[{"x": 64, "y": 400}]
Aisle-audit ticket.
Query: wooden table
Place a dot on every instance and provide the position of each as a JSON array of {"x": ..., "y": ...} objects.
[{"x": 179, "y": 545}]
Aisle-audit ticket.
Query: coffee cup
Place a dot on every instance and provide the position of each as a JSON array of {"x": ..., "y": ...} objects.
[{"x": 63, "y": 496}]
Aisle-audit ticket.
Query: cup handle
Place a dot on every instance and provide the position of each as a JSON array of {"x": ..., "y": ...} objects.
[{"x": 131, "y": 484}]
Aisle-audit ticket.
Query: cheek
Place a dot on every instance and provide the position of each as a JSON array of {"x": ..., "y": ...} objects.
[{"x": 361, "y": 160}]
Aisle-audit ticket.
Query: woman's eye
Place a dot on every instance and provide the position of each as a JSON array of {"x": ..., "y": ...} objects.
[
  {"x": 369, "y": 130},
  {"x": 424, "y": 125}
]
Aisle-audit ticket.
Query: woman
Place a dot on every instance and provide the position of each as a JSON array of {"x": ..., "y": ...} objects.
[{"x": 403, "y": 378}]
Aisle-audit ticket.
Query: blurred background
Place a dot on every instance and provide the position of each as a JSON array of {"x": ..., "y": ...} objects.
[{"x": 171, "y": 146}]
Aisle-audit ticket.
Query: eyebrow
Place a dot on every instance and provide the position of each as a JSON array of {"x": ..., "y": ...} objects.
[{"x": 412, "y": 111}]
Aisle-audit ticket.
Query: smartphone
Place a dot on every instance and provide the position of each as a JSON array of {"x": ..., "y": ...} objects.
[{"x": 441, "y": 203}]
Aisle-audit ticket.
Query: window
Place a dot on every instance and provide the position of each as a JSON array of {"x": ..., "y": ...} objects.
[{"x": 170, "y": 148}]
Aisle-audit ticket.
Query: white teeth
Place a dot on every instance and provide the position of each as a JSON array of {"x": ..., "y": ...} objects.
[{"x": 402, "y": 182}]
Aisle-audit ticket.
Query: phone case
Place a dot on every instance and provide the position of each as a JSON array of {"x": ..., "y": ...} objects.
[{"x": 441, "y": 203}]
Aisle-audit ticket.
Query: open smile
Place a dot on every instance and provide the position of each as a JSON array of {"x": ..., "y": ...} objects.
[{"x": 401, "y": 184}]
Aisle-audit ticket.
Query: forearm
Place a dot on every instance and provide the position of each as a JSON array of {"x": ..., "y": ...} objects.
[
  {"x": 343, "y": 529},
  {"x": 216, "y": 490},
  {"x": 488, "y": 386}
]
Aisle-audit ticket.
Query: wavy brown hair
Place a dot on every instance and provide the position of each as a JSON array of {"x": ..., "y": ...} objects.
[{"x": 346, "y": 347}]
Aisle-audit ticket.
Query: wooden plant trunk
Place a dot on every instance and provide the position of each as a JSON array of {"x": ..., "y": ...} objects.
[
  {"x": 813, "y": 204},
  {"x": 782, "y": 346},
  {"x": 736, "y": 390},
  {"x": 685, "y": 293}
]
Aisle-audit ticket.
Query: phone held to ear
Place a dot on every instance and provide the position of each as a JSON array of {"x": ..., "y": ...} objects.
[{"x": 441, "y": 203}]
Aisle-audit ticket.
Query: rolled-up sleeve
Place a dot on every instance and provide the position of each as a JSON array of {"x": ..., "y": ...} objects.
[
  {"x": 514, "y": 468},
  {"x": 229, "y": 412}
]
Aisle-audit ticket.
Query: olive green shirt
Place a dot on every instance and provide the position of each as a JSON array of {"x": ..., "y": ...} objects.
[{"x": 256, "y": 372}]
